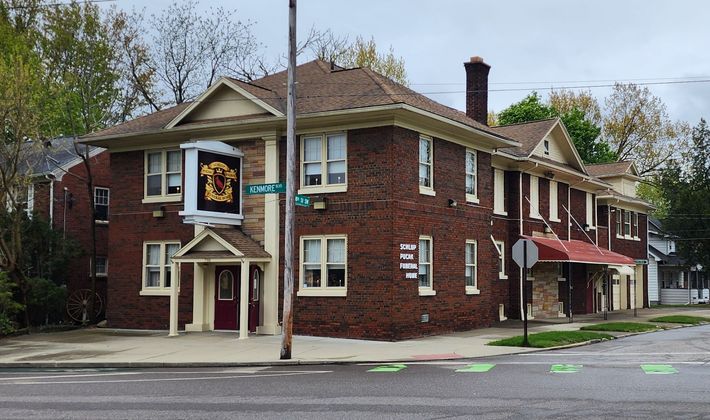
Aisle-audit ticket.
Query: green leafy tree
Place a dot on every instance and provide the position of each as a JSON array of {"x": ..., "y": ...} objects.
[
  {"x": 530, "y": 108},
  {"x": 686, "y": 189}
]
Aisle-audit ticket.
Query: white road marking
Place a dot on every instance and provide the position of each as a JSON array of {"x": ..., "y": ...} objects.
[{"x": 617, "y": 354}]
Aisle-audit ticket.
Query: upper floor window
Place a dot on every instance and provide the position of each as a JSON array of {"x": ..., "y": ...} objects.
[
  {"x": 157, "y": 274},
  {"x": 636, "y": 225},
  {"x": 163, "y": 174},
  {"x": 101, "y": 199},
  {"x": 29, "y": 208},
  {"x": 471, "y": 176},
  {"x": 627, "y": 223},
  {"x": 471, "y": 271},
  {"x": 590, "y": 210},
  {"x": 554, "y": 211},
  {"x": 535, "y": 197},
  {"x": 546, "y": 146},
  {"x": 324, "y": 163},
  {"x": 499, "y": 191},
  {"x": 619, "y": 215},
  {"x": 323, "y": 266},
  {"x": 101, "y": 266},
  {"x": 426, "y": 164}
]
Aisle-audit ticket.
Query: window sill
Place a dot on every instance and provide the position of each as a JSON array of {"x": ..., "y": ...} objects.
[
  {"x": 556, "y": 220},
  {"x": 500, "y": 213},
  {"x": 472, "y": 291},
  {"x": 322, "y": 293},
  {"x": 502, "y": 276},
  {"x": 535, "y": 216},
  {"x": 472, "y": 199},
  {"x": 427, "y": 191},
  {"x": 636, "y": 238},
  {"x": 427, "y": 292},
  {"x": 322, "y": 189},
  {"x": 101, "y": 222},
  {"x": 162, "y": 199},
  {"x": 561, "y": 279},
  {"x": 592, "y": 228},
  {"x": 155, "y": 292}
]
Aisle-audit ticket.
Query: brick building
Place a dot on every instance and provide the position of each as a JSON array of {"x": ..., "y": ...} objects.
[
  {"x": 414, "y": 209},
  {"x": 59, "y": 195}
]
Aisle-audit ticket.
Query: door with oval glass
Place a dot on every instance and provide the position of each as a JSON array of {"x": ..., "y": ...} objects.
[{"x": 226, "y": 299}]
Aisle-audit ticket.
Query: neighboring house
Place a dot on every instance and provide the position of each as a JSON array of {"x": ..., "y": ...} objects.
[
  {"x": 59, "y": 195},
  {"x": 669, "y": 275},
  {"x": 414, "y": 209}
]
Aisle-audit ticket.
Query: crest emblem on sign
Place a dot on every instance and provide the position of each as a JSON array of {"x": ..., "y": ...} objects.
[{"x": 219, "y": 179}]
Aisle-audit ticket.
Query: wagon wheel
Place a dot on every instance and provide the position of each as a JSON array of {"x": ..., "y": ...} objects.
[{"x": 78, "y": 305}]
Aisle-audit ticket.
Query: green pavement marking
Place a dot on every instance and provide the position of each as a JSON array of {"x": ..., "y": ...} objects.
[
  {"x": 477, "y": 368},
  {"x": 565, "y": 368},
  {"x": 659, "y": 369},
  {"x": 388, "y": 368}
]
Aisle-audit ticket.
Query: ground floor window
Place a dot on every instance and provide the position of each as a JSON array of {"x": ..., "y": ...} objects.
[
  {"x": 156, "y": 264},
  {"x": 323, "y": 264},
  {"x": 500, "y": 248},
  {"x": 426, "y": 252},
  {"x": 471, "y": 265}
]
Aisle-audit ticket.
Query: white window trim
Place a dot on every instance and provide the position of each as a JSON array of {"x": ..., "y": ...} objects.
[
  {"x": 554, "y": 204},
  {"x": 324, "y": 188},
  {"x": 427, "y": 291},
  {"x": 534, "y": 203},
  {"x": 546, "y": 147},
  {"x": 635, "y": 225},
  {"x": 323, "y": 290},
  {"x": 472, "y": 198},
  {"x": 472, "y": 290},
  {"x": 30, "y": 204},
  {"x": 424, "y": 189},
  {"x": 501, "y": 256},
  {"x": 499, "y": 190},
  {"x": 164, "y": 197},
  {"x": 99, "y": 274},
  {"x": 160, "y": 290},
  {"x": 589, "y": 208},
  {"x": 108, "y": 204}
]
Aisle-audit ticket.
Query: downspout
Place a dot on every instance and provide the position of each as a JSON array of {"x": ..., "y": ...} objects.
[
  {"x": 64, "y": 218},
  {"x": 51, "y": 201},
  {"x": 520, "y": 214}
]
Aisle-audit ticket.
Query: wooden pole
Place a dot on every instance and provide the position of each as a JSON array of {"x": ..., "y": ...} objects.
[{"x": 286, "y": 337}]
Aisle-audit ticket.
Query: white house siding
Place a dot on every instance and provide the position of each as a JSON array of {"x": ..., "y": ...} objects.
[{"x": 653, "y": 286}]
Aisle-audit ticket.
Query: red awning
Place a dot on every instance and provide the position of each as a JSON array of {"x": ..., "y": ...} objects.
[{"x": 552, "y": 250}]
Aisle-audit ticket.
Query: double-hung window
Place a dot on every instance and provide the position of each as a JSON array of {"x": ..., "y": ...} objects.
[
  {"x": 499, "y": 191},
  {"x": 535, "y": 197},
  {"x": 324, "y": 163},
  {"x": 619, "y": 215},
  {"x": 554, "y": 211},
  {"x": 627, "y": 224},
  {"x": 590, "y": 211},
  {"x": 471, "y": 176},
  {"x": 426, "y": 286},
  {"x": 101, "y": 199},
  {"x": 163, "y": 175},
  {"x": 30, "y": 204},
  {"x": 500, "y": 247},
  {"x": 471, "y": 265},
  {"x": 101, "y": 266},
  {"x": 157, "y": 276},
  {"x": 426, "y": 165},
  {"x": 636, "y": 225},
  {"x": 323, "y": 266}
]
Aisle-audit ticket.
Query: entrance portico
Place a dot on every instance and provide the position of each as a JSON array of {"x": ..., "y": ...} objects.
[{"x": 235, "y": 260}]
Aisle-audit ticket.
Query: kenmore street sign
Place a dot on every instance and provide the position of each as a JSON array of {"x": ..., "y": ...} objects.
[{"x": 277, "y": 187}]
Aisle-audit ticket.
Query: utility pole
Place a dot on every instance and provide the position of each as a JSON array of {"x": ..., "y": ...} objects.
[{"x": 287, "y": 333}]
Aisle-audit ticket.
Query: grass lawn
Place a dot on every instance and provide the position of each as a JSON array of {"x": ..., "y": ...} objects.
[
  {"x": 621, "y": 326},
  {"x": 681, "y": 319},
  {"x": 551, "y": 339}
]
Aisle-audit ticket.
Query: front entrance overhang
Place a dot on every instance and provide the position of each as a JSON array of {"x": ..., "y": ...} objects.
[
  {"x": 553, "y": 250},
  {"x": 223, "y": 246}
]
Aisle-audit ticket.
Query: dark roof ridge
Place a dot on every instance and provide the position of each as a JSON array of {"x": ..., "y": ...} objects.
[
  {"x": 249, "y": 83},
  {"x": 526, "y": 122}
]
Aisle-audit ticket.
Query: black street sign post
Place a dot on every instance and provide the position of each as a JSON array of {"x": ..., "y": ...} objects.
[{"x": 525, "y": 255}]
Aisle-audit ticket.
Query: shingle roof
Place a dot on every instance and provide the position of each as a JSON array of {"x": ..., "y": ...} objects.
[
  {"x": 610, "y": 169},
  {"x": 319, "y": 89},
  {"x": 245, "y": 244},
  {"x": 53, "y": 154},
  {"x": 528, "y": 134}
]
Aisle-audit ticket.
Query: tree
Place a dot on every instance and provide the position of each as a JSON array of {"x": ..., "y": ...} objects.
[
  {"x": 686, "y": 189},
  {"x": 566, "y": 100},
  {"x": 584, "y": 133},
  {"x": 637, "y": 126},
  {"x": 359, "y": 53}
]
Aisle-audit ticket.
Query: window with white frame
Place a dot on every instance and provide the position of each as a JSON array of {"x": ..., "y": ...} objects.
[
  {"x": 471, "y": 176},
  {"x": 636, "y": 225},
  {"x": 554, "y": 211},
  {"x": 546, "y": 146},
  {"x": 619, "y": 215},
  {"x": 500, "y": 246},
  {"x": 101, "y": 199},
  {"x": 499, "y": 191},
  {"x": 324, "y": 161},
  {"x": 627, "y": 223},
  {"x": 471, "y": 264},
  {"x": 426, "y": 163},
  {"x": 425, "y": 263},
  {"x": 535, "y": 197},
  {"x": 30, "y": 203},
  {"x": 157, "y": 265},
  {"x": 163, "y": 174},
  {"x": 590, "y": 210},
  {"x": 323, "y": 264},
  {"x": 101, "y": 266}
]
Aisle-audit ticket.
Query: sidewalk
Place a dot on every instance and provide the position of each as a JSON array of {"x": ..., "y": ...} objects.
[{"x": 94, "y": 347}]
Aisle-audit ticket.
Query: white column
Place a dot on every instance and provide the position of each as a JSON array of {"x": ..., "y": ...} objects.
[
  {"x": 270, "y": 281},
  {"x": 175, "y": 271},
  {"x": 244, "y": 301}
]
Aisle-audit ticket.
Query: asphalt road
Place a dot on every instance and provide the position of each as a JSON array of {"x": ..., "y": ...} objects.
[{"x": 604, "y": 380}]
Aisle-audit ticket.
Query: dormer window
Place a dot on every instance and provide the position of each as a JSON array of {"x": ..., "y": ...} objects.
[{"x": 546, "y": 147}]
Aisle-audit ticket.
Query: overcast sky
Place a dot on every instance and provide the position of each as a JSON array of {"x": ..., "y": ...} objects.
[{"x": 551, "y": 42}]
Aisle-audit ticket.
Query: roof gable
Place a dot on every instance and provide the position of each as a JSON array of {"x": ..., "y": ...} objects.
[{"x": 224, "y": 99}]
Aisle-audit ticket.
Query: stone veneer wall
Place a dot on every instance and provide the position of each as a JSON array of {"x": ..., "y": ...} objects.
[{"x": 545, "y": 297}]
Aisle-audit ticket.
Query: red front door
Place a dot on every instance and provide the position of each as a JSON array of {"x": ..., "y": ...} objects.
[
  {"x": 226, "y": 298},
  {"x": 254, "y": 297}
]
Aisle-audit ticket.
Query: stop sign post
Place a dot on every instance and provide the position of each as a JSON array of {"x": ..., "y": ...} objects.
[{"x": 525, "y": 255}]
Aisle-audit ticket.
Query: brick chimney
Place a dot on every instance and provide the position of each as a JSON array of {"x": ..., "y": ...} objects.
[{"x": 477, "y": 89}]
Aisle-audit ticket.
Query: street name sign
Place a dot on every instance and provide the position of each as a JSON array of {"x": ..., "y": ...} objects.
[
  {"x": 274, "y": 188},
  {"x": 303, "y": 200}
]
